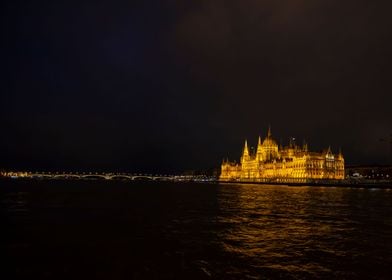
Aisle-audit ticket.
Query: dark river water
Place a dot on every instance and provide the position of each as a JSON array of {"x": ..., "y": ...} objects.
[{"x": 147, "y": 230}]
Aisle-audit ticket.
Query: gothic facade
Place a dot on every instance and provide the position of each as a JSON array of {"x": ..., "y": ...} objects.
[{"x": 283, "y": 164}]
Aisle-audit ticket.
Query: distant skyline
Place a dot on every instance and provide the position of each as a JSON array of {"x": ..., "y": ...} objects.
[{"x": 169, "y": 86}]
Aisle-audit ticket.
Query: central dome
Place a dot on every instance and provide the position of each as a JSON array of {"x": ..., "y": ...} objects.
[{"x": 269, "y": 142}]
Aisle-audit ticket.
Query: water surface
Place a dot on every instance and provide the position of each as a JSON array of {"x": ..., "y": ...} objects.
[{"x": 152, "y": 230}]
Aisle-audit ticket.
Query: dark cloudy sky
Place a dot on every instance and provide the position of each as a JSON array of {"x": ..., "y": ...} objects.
[{"x": 173, "y": 85}]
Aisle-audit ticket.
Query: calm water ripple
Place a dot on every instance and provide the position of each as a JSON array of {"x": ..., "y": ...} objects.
[{"x": 120, "y": 230}]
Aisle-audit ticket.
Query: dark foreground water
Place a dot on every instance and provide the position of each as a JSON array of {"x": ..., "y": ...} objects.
[{"x": 141, "y": 230}]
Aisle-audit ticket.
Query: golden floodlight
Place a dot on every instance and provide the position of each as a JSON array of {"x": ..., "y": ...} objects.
[{"x": 283, "y": 164}]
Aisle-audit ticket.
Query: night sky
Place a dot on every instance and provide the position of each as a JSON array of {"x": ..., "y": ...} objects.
[{"x": 169, "y": 86}]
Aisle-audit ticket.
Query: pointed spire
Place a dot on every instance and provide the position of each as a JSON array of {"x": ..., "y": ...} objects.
[
  {"x": 259, "y": 146},
  {"x": 246, "y": 150},
  {"x": 245, "y": 154},
  {"x": 259, "y": 151},
  {"x": 304, "y": 146},
  {"x": 340, "y": 155},
  {"x": 269, "y": 131}
]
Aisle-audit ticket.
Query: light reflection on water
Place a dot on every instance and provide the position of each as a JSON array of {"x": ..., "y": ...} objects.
[
  {"x": 195, "y": 231},
  {"x": 307, "y": 231}
]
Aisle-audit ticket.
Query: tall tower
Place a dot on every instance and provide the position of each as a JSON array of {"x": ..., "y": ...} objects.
[
  {"x": 245, "y": 153},
  {"x": 269, "y": 132},
  {"x": 259, "y": 152}
]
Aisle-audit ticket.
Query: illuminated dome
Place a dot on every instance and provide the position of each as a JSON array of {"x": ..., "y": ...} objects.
[{"x": 268, "y": 141}]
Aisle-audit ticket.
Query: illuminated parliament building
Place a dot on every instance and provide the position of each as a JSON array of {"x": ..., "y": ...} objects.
[{"x": 271, "y": 163}]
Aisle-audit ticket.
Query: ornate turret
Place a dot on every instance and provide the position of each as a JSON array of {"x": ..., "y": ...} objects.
[
  {"x": 340, "y": 155},
  {"x": 305, "y": 146},
  {"x": 259, "y": 151},
  {"x": 329, "y": 154},
  {"x": 245, "y": 153}
]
